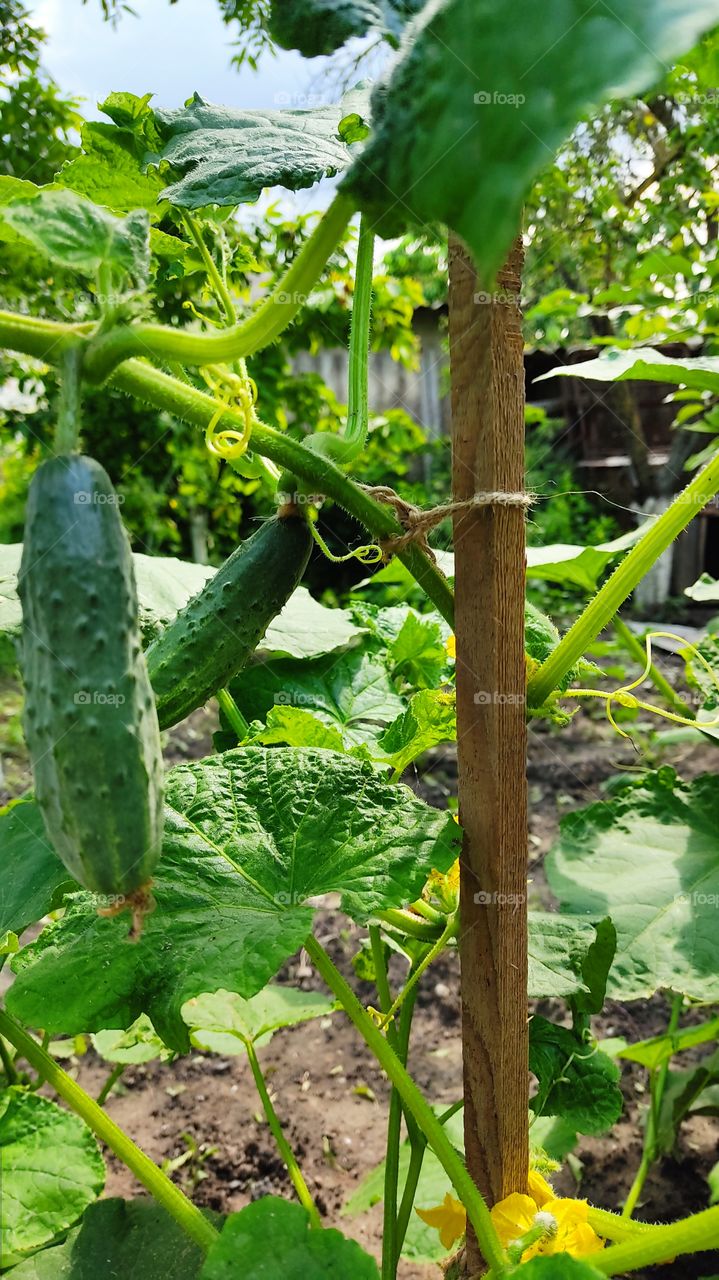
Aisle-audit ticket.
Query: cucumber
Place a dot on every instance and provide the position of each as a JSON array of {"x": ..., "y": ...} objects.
[
  {"x": 211, "y": 639},
  {"x": 89, "y": 719}
]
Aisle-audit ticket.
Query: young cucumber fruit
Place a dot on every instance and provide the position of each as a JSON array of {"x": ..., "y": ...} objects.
[
  {"x": 212, "y": 638},
  {"x": 90, "y": 719}
]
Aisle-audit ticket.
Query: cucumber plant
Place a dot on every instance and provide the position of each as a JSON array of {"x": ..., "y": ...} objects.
[{"x": 303, "y": 795}]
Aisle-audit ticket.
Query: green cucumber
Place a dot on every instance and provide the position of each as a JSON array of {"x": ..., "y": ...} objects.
[
  {"x": 212, "y": 638},
  {"x": 89, "y": 719}
]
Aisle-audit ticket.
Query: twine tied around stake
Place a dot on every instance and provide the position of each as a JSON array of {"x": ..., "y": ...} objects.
[{"x": 418, "y": 523}]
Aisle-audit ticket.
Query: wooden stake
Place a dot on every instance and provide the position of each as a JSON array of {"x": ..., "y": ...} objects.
[{"x": 486, "y": 351}]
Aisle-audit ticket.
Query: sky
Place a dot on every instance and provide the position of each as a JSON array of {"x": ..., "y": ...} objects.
[{"x": 171, "y": 51}]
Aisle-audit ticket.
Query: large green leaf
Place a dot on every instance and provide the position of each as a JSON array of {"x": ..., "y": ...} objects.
[
  {"x": 469, "y": 116},
  {"x": 80, "y": 235},
  {"x": 575, "y": 1079},
  {"x": 351, "y": 691},
  {"x": 50, "y": 1171},
  {"x": 227, "y": 156},
  {"x": 561, "y": 951},
  {"x": 119, "y": 1240},
  {"x": 139, "y": 1043},
  {"x": 318, "y": 27},
  {"x": 223, "y": 1022},
  {"x": 250, "y": 836},
  {"x": 272, "y": 1239},
  {"x": 643, "y": 365},
  {"x": 304, "y": 628},
  {"x": 647, "y": 857},
  {"x": 33, "y": 878}
]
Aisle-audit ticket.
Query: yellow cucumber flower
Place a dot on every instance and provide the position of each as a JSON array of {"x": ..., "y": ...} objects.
[
  {"x": 449, "y": 1219},
  {"x": 451, "y": 647},
  {"x": 564, "y": 1221}
]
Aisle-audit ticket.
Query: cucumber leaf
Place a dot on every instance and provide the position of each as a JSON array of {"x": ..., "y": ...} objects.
[
  {"x": 250, "y": 837},
  {"x": 576, "y": 1080},
  {"x": 33, "y": 879},
  {"x": 129, "y": 1238},
  {"x": 51, "y": 1171},
  {"x": 429, "y": 720},
  {"x": 296, "y": 1250},
  {"x": 223, "y": 1022},
  {"x": 647, "y": 857},
  {"x": 226, "y": 156},
  {"x": 643, "y": 365},
  {"x": 80, "y": 235},
  {"x": 468, "y": 117},
  {"x": 140, "y": 1043},
  {"x": 351, "y": 692}
]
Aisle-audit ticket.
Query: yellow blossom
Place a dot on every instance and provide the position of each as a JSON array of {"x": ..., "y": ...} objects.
[
  {"x": 451, "y": 647},
  {"x": 449, "y": 1219},
  {"x": 567, "y": 1220},
  {"x": 445, "y": 886}
]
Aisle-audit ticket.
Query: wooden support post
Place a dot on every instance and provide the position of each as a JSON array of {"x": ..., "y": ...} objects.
[{"x": 487, "y": 366}]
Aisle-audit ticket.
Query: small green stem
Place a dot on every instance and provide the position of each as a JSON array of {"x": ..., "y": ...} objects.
[
  {"x": 262, "y": 328},
  {"x": 636, "y": 650},
  {"x": 610, "y": 1226},
  {"x": 185, "y": 1213},
  {"x": 284, "y": 1148},
  {"x": 8, "y": 1065},
  {"x": 355, "y": 433},
  {"x": 218, "y": 284},
  {"x": 413, "y": 1101},
  {"x": 233, "y": 715},
  {"x": 657, "y": 1085},
  {"x": 67, "y": 430},
  {"x": 110, "y": 1083},
  {"x": 409, "y": 1192},
  {"x": 600, "y": 611},
  {"x": 398, "y": 1038},
  {"x": 449, "y": 931}
]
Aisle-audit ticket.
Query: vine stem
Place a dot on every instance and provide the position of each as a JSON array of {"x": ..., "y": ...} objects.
[
  {"x": 600, "y": 611},
  {"x": 263, "y": 327},
  {"x": 68, "y": 419},
  {"x": 234, "y": 716},
  {"x": 477, "y": 1211},
  {"x": 657, "y": 1085},
  {"x": 660, "y": 1243},
  {"x": 355, "y": 433},
  {"x": 449, "y": 931},
  {"x": 110, "y": 1083},
  {"x": 185, "y": 1213},
  {"x": 222, "y": 293},
  {"x": 283, "y": 1146}
]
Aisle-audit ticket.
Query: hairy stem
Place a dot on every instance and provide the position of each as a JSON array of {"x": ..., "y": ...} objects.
[
  {"x": 660, "y": 1244},
  {"x": 600, "y": 611},
  {"x": 416, "y": 1104},
  {"x": 262, "y": 328},
  {"x": 67, "y": 430},
  {"x": 185, "y": 1213},
  {"x": 283, "y": 1146}
]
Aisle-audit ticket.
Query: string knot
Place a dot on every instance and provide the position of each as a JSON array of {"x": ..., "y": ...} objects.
[{"x": 418, "y": 523}]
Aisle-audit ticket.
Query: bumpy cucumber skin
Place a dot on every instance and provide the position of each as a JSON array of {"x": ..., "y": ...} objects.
[
  {"x": 90, "y": 719},
  {"x": 211, "y": 639}
]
